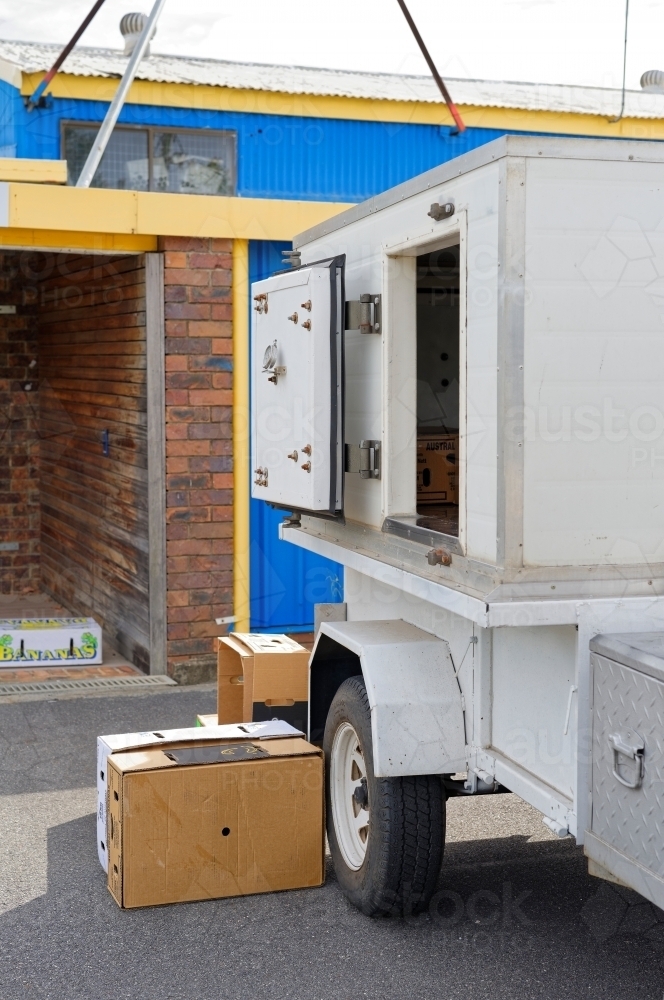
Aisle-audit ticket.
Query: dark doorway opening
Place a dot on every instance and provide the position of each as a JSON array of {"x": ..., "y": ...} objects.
[{"x": 438, "y": 377}]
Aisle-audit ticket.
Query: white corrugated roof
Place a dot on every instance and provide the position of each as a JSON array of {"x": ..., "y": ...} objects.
[{"x": 31, "y": 57}]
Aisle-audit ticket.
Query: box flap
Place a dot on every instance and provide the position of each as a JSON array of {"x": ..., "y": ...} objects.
[
  {"x": 155, "y": 758},
  {"x": 258, "y": 643},
  {"x": 232, "y": 642},
  {"x": 275, "y": 729}
]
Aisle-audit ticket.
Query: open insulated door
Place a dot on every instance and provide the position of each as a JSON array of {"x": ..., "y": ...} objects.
[{"x": 297, "y": 388}]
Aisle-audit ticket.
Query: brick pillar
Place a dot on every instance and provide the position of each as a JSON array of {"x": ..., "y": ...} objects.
[
  {"x": 199, "y": 461},
  {"x": 19, "y": 425}
]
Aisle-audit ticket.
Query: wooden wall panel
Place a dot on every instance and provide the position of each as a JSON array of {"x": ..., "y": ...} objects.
[{"x": 94, "y": 510}]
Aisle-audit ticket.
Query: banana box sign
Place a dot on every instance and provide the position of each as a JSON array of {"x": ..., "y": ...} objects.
[{"x": 49, "y": 641}]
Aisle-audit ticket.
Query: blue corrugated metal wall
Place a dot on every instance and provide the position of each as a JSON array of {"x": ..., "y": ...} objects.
[
  {"x": 286, "y": 581},
  {"x": 278, "y": 156}
]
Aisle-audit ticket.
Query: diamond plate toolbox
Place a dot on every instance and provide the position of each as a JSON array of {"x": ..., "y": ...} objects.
[{"x": 625, "y": 841}]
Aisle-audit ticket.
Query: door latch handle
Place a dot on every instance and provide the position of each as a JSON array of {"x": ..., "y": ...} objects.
[{"x": 628, "y": 744}]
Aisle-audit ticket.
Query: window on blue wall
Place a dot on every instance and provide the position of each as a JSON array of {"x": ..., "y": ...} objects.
[
  {"x": 125, "y": 163},
  {"x": 193, "y": 162},
  {"x": 151, "y": 159}
]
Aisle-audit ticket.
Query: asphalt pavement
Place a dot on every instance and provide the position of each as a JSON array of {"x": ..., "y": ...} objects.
[{"x": 515, "y": 916}]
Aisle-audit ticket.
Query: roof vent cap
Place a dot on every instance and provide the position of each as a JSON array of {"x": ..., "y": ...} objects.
[
  {"x": 131, "y": 29},
  {"x": 652, "y": 81}
]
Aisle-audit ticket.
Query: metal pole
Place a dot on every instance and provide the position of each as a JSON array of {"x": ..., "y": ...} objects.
[
  {"x": 454, "y": 111},
  {"x": 113, "y": 113},
  {"x": 33, "y": 100},
  {"x": 612, "y": 121}
]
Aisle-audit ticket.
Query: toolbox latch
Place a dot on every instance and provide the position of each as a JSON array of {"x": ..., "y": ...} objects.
[{"x": 627, "y": 743}]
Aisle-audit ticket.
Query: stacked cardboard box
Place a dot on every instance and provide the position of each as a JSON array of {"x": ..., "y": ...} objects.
[{"x": 262, "y": 677}]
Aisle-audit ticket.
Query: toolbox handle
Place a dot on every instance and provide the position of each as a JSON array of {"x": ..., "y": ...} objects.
[{"x": 629, "y": 744}]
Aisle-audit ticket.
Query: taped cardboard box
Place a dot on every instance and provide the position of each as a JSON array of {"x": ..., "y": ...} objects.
[
  {"x": 207, "y": 822},
  {"x": 170, "y": 738},
  {"x": 438, "y": 468},
  {"x": 262, "y": 677}
]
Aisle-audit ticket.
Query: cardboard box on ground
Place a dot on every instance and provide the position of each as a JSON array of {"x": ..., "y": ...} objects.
[
  {"x": 27, "y": 641},
  {"x": 262, "y": 677},
  {"x": 221, "y": 818},
  {"x": 169, "y": 739},
  {"x": 437, "y": 468}
]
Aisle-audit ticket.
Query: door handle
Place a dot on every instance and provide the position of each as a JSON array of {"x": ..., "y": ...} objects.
[{"x": 628, "y": 744}]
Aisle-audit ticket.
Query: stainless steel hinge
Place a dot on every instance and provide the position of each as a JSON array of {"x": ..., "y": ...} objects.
[
  {"x": 363, "y": 458},
  {"x": 364, "y": 315}
]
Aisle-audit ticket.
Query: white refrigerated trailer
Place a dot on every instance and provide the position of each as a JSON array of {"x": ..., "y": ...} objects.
[{"x": 458, "y": 393}]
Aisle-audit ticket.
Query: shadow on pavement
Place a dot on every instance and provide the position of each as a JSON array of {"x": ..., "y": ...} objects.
[{"x": 511, "y": 919}]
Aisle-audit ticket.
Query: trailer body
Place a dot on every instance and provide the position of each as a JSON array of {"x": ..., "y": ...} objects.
[{"x": 540, "y": 264}]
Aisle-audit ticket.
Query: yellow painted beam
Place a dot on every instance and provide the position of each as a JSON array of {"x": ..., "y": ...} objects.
[
  {"x": 241, "y": 437},
  {"x": 65, "y": 241},
  {"x": 562, "y": 123},
  {"x": 33, "y": 171},
  {"x": 97, "y": 210},
  {"x": 185, "y": 95}
]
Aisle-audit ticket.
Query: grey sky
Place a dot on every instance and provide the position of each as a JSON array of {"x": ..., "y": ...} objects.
[{"x": 555, "y": 41}]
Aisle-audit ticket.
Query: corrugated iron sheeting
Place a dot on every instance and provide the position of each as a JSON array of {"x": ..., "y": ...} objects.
[
  {"x": 31, "y": 57},
  {"x": 279, "y": 156}
]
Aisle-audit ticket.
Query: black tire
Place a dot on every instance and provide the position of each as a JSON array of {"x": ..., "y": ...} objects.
[{"x": 406, "y": 827}]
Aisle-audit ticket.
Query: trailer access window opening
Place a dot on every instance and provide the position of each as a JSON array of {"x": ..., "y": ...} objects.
[{"x": 438, "y": 360}]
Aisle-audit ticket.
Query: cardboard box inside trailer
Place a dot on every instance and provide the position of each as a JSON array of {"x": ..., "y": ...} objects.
[{"x": 437, "y": 469}]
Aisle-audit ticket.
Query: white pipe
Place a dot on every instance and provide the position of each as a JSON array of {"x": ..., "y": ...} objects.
[{"x": 113, "y": 113}]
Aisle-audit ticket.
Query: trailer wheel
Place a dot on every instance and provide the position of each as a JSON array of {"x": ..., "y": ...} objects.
[{"x": 386, "y": 835}]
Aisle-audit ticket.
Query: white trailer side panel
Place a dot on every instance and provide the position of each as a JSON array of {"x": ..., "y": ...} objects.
[
  {"x": 533, "y": 673},
  {"x": 594, "y": 363}
]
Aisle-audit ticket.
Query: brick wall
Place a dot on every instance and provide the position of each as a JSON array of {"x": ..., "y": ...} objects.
[
  {"x": 19, "y": 417},
  {"x": 199, "y": 465}
]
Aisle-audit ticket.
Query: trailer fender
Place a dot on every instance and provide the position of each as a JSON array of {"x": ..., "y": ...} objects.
[{"x": 417, "y": 719}]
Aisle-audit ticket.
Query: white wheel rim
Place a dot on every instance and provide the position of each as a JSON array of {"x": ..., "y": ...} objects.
[{"x": 348, "y": 772}]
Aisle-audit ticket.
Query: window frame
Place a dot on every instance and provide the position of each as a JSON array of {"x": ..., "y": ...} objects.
[{"x": 151, "y": 130}]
